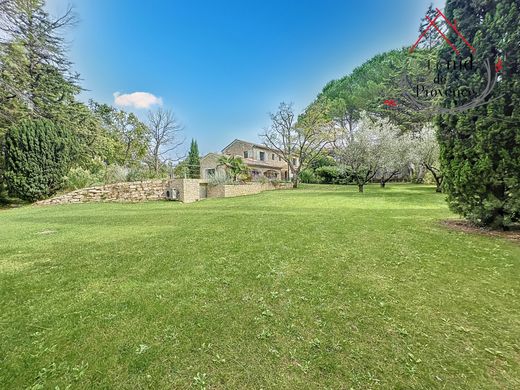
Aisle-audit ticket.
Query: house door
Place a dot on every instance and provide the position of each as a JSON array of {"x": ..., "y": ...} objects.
[{"x": 203, "y": 190}]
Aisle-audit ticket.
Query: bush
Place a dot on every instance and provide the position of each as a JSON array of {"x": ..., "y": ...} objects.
[
  {"x": 116, "y": 174},
  {"x": 328, "y": 174},
  {"x": 219, "y": 178},
  {"x": 37, "y": 158},
  {"x": 144, "y": 173},
  {"x": 80, "y": 178},
  {"x": 261, "y": 179},
  {"x": 308, "y": 176}
]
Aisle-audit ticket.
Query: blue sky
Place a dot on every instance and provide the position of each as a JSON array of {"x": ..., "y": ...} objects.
[{"x": 222, "y": 66}]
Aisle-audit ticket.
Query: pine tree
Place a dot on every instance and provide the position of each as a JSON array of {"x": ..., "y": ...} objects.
[
  {"x": 36, "y": 79},
  {"x": 194, "y": 160},
  {"x": 430, "y": 36},
  {"x": 480, "y": 148}
]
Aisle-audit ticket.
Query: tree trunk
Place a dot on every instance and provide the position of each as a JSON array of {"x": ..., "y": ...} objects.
[
  {"x": 382, "y": 183},
  {"x": 360, "y": 187},
  {"x": 438, "y": 188},
  {"x": 156, "y": 165},
  {"x": 296, "y": 176}
]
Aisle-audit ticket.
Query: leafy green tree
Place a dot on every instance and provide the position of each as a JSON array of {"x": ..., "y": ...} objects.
[
  {"x": 480, "y": 148},
  {"x": 36, "y": 79},
  {"x": 328, "y": 174},
  {"x": 234, "y": 165},
  {"x": 323, "y": 160},
  {"x": 123, "y": 138},
  {"x": 194, "y": 160},
  {"x": 181, "y": 169},
  {"x": 37, "y": 158},
  {"x": 373, "y": 84}
]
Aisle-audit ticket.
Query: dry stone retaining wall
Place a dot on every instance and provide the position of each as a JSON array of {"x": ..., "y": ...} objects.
[
  {"x": 120, "y": 192},
  {"x": 187, "y": 190}
]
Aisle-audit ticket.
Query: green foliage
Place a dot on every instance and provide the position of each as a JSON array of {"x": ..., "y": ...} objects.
[
  {"x": 308, "y": 176},
  {"x": 36, "y": 79},
  {"x": 373, "y": 82},
  {"x": 236, "y": 167},
  {"x": 80, "y": 178},
  {"x": 322, "y": 160},
  {"x": 193, "y": 160},
  {"x": 143, "y": 172},
  {"x": 328, "y": 174},
  {"x": 181, "y": 169},
  {"x": 37, "y": 158},
  {"x": 480, "y": 148}
]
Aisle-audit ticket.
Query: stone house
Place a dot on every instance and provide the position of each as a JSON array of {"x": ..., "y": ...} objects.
[{"x": 261, "y": 160}]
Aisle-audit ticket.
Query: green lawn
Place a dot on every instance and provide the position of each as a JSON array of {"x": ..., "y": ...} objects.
[{"x": 321, "y": 287}]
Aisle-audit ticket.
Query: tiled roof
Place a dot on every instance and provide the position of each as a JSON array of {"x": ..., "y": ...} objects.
[{"x": 249, "y": 143}]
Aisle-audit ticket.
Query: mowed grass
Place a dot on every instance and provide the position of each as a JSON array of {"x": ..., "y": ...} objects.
[{"x": 321, "y": 287}]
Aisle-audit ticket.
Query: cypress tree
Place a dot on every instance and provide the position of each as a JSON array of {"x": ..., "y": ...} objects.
[
  {"x": 37, "y": 158},
  {"x": 480, "y": 148},
  {"x": 194, "y": 160}
]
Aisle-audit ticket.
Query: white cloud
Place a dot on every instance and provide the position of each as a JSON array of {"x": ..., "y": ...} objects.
[{"x": 137, "y": 99}]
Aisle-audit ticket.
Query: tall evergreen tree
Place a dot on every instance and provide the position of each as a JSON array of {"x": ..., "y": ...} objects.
[
  {"x": 480, "y": 148},
  {"x": 194, "y": 160},
  {"x": 37, "y": 157},
  {"x": 36, "y": 80},
  {"x": 35, "y": 74}
]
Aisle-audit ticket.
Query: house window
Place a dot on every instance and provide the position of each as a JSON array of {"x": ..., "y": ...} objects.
[
  {"x": 294, "y": 161},
  {"x": 210, "y": 172},
  {"x": 272, "y": 156},
  {"x": 262, "y": 156},
  {"x": 246, "y": 154},
  {"x": 279, "y": 158}
]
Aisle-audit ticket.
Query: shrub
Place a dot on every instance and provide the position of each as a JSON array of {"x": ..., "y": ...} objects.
[
  {"x": 37, "y": 158},
  {"x": 328, "y": 174},
  {"x": 261, "y": 179},
  {"x": 308, "y": 176},
  {"x": 219, "y": 178},
  {"x": 144, "y": 173},
  {"x": 276, "y": 182},
  {"x": 116, "y": 174},
  {"x": 80, "y": 178}
]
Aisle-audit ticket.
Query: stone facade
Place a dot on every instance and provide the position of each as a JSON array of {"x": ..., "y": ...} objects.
[
  {"x": 261, "y": 160},
  {"x": 209, "y": 165},
  {"x": 186, "y": 190}
]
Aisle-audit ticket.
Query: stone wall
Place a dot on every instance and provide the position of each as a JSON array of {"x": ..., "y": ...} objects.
[
  {"x": 231, "y": 190},
  {"x": 120, "y": 192},
  {"x": 187, "y": 190}
]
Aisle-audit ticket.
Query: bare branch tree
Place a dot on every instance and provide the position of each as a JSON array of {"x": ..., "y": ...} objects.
[
  {"x": 164, "y": 135},
  {"x": 298, "y": 142}
]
